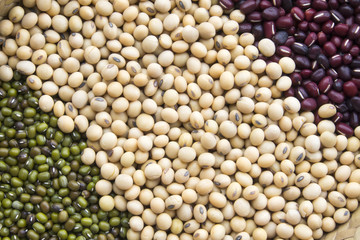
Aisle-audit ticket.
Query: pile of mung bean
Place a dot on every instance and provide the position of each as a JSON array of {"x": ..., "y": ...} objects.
[
  {"x": 45, "y": 190},
  {"x": 185, "y": 118}
]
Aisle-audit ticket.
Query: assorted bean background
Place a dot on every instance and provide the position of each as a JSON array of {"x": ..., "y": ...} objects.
[{"x": 202, "y": 119}]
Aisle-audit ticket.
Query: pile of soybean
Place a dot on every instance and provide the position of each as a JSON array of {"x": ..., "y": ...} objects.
[
  {"x": 185, "y": 118},
  {"x": 45, "y": 190}
]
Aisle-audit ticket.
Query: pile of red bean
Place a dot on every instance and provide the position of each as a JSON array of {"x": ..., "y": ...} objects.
[{"x": 323, "y": 38}]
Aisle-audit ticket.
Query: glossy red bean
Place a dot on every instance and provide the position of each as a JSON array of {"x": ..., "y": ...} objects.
[
  {"x": 335, "y": 61},
  {"x": 226, "y": 4},
  {"x": 314, "y": 27},
  {"x": 325, "y": 84},
  {"x": 300, "y": 48},
  {"x": 355, "y": 63},
  {"x": 300, "y": 36},
  {"x": 290, "y": 41},
  {"x": 328, "y": 27},
  {"x": 338, "y": 117},
  {"x": 346, "y": 117},
  {"x": 297, "y": 14},
  {"x": 341, "y": 29},
  {"x": 317, "y": 118},
  {"x": 332, "y": 73},
  {"x": 318, "y": 75},
  {"x": 355, "y": 72},
  {"x": 350, "y": 89},
  {"x": 291, "y": 30},
  {"x": 333, "y": 4},
  {"x": 303, "y": 26},
  {"x": 270, "y": 13},
  {"x": 310, "y": 39},
  {"x": 338, "y": 85},
  {"x": 344, "y": 129},
  {"x": 304, "y": 4},
  {"x": 308, "y": 104},
  {"x": 319, "y": 4},
  {"x": 284, "y": 22},
  {"x": 346, "y": 10},
  {"x": 254, "y": 17},
  {"x": 289, "y": 93},
  {"x": 269, "y": 29},
  {"x": 337, "y": 17},
  {"x": 354, "y": 31},
  {"x": 354, "y": 51},
  {"x": 322, "y": 99},
  {"x": 336, "y": 41},
  {"x": 244, "y": 27},
  {"x": 347, "y": 58},
  {"x": 321, "y": 16},
  {"x": 301, "y": 94},
  {"x": 274, "y": 58},
  {"x": 342, "y": 108},
  {"x": 306, "y": 73},
  {"x": 265, "y": 4},
  {"x": 346, "y": 45},
  {"x": 312, "y": 89},
  {"x": 356, "y": 81},
  {"x": 258, "y": 31},
  {"x": 329, "y": 48},
  {"x": 322, "y": 38},
  {"x": 283, "y": 51},
  {"x": 296, "y": 79},
  {"x": 335, "y": 96},
  {"x": 354, "y": 119},
  {"x": 309, "y": 14},
  {"x": 350, "y": 20},
  {"x": 247, "y": 7},
  {"x": 276, "y": 3}
]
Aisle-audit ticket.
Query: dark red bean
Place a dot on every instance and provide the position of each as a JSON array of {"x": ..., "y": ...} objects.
[
  {"x": 291, "y": 30},
  {"x": 254, "y": 17},
  {"x": 247, "y": 7},
  {"x": 301, "y": 93},
  {"x": 300, "y": 36},
  {"x": 335, "y": 61},
  {"x": 289, "y": 93},
  {"x": 336, "y": 41},
  {"x": 290, "y": 41},
  {"x": 356, "y": 81},
  {"x": 323, "y": 61},
  {"x": 325, "y": 84},
  {"x": 274, "y": 58},
  {"x": 297, "y": 14},
  {"x": 355, "y": 63},
  {"x": 350, "y": 89},
  {"x": 308, "y": 104},
  {"x": 306, "y": 73},
  {"x": 309, "y": 14},
  {"x": 349, "y": 105},
  {"x": 314, "y": 52},
  {"x": 328, "y": 27},
  {"x": 354, "y": 120},
  {"x": 270, "y": 13},
  {"x": 322, "y": 38},
  {"x": 322, "y": 99},
  {"x": 337, "y": 117},
  {"x": 280, "y": 37},
  {"x": 335, "y": 96},
  {"x": 333, "y": 4},
  {"x": 347, "y": 58},
  {"x": 226, "y": 4},
  {"x": 282, "y": 12},
  {"x": 346, "y": 10},
  {"x": 332, "y": 73},
  {"x": 342, "y": 108},
  {"x": 296, "y": 79},
  {"x": 310, "y": 39},
  {"x": 344, "y": 129},
  {"x": 317, "y": 118},
  {"x": 312, "y": 89},
  {"x": 283, "y": 51},
  {"x": 354, "y": 31},
  {"x": 355, "y": 72},
  {"x": 319, "y": 4},
  {"x": 314, "y": 27},
  {"x": 346, "y": 45},
  {"x": 346, "y": 117},
  {"x": 258, "y": 31},
  {"x": 303, "y": 26},
  {"x": 265, "y": 4},
  {"x": 304, "y": 4},
  {"x": 244, "y": 27},
  {"x": 344, "y": 73},
  {"x": 269, "y": 29},
  {"x": 302, "y": 62},
  {"x": 338, "y": 85},
  {"x": 329, "y": 48},
  {"x": 354, "y": 3},
  {"x": 284, "y": 22},
  {"x": 337, "y": 17},
  {"x": 321, "y": 16},
  {"x": 354, "y": 51},
  {"x": 341, "y": 29},
  {"x": 276, "y": 3},
  {"x": 318, "y": 75}
]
